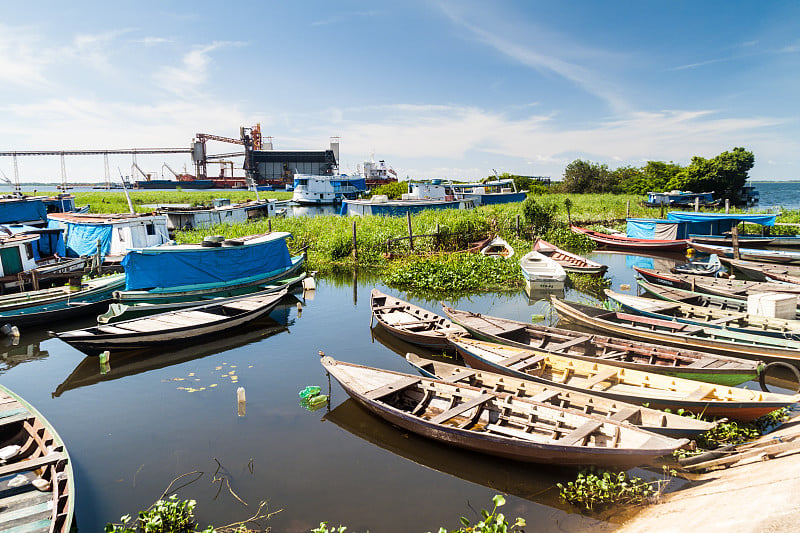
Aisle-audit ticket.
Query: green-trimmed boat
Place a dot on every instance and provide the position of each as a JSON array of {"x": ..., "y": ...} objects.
[{"x": 621, "y": 352}]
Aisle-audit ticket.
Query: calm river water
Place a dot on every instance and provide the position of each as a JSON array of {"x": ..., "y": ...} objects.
[{"x": 157, "y": 416}]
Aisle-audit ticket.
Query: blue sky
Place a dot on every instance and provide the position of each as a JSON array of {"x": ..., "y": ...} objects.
[{"x": 439, "y": 89}]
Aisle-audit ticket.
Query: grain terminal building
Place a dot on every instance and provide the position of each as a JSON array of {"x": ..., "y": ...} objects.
[{"x": 278, "y": 167}]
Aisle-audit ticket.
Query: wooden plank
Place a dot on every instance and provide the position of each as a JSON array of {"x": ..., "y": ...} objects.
[
  {"x": 726, "y": 319},
  {"x": 244, "y": 305},
  {"x": 580, "y": 433},
  {"x": 200, "y": 316},
  {"x": 699, "y": 393},
  {"x": 569, "y": 344},
  {"x": 19, "y": 417},
  {"x": 601, "y": 376},
  {"x": 459, "y": 375},
  {"x": 514, "y": 359},
  {"x": 458, "y": 409},
  {"x": 625, "y": 414},
  {"x": 395, "y": 386},
  {"x": 545, "y": 396},
  {"x": 32, "y": 464},
  {"x": 510, "y": 432},
  {"x": 528, "y": 363}
]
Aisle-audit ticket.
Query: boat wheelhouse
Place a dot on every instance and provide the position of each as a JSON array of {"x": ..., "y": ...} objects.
[
  {"x": 421, "y": 196},
  {"x": 679, "y": 198},
  {"x": 33, "y": 210},
  {"x": 491, "y": 192},
  {"x": 222, "y": 212},
  {"x": 320, "y": 190}
]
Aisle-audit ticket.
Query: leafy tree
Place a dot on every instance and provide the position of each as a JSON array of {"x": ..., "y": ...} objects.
[
  {"x": 629, "y": 180},
  {"x": 393, "y": 190},
  {"x": 587, "y": 177},
  {"x": 725, "y": 174},
  {"x": 657, "y": 175}
]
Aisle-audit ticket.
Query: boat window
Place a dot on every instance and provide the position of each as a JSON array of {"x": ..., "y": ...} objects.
[
  {"x": 29, "y": 250},
  {"x": 151, "y": 229}
]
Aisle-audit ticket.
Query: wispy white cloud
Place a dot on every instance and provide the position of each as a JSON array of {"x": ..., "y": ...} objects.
[
  {"x": 21, "y": 61},
  {"x": 186, "y": 79},
  {"x": 152, "y": 41},
  {"x": 338, "y": 19}
]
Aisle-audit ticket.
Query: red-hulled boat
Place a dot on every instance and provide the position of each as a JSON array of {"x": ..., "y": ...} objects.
[{"x": 632, "y": 243}]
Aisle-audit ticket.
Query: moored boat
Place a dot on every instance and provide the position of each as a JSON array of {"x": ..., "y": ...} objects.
[
  {"x": 59, "y": 303},
  {"x": 188, "y": 272},
  {"x": 497, "y": 247},
  {"x": 721, "y": 341},
  {"x": 497, "y": 424},
  {"x": 720, "y": 286},
  {"x": 679, "y": 362},
  {"x": 623, "y": 384},
  {"x": 569, "y": 262},
  {"x": 37, "y": 487},
  {"x": 751, "y": 254},
  {"x": 632, "y": 243},
  {"x": 760, "y": 271},
  {"x": 710, "y": 267},
  {"x": 412, "y": 323},
  {"x": 736, "y": 303},
  {"x": 707, "y": 316},
  {"x": 185, "y": 325},
  {"x": 669, "y": 424},
  {"x": 541, "y": 271},
  {"x": 321, "y": 190}
]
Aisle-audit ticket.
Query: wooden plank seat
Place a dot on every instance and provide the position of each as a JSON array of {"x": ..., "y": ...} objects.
[
  {"x": 580, "y": 433},
  {"x": 601, "y": 376},
  {"x": 569, "y": 344},
  {"x": 459, "y": 375},
  {"x": 460, "y": 408},
  {"x": 545, "y": 396},
  {"x": 244, "y": 305},
  {"x": 525, "y": 364},
  {"x": 413, "y": 323},
  {"x": 31, "y": 464},
  {"x": 200, "y": 316},
  {"x": 113, "y": 330},
  {"x": 699, "y": 393},
  {"x": 726, "y": 319},
  {"x": 514, "y": 359},
  {"x": 400, "y": 384},
  {"x": 625, "y": 414},
  {"x": 510, "y": 432},
  {"x": 706, "y": 362},
  {"x": 13, "y": 419}
]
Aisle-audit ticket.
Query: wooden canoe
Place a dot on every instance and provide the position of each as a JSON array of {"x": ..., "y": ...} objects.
[
  {"x": 498, "y": 424},
  {"x": 749, "y": 241},
  {"x": 751, "y": 254},
  {"x": 711, "y": 267},
  {"x": 539, "y": 269},
  {"x": 497, "y": 247},
  {"x": 185, "y": 325},
  {"x": 37, "y": 487},
  {"x": 760, "y": 271},
  {"x": 707, "y": 316},
  {"x": 672, "y": 333},
  {"x": 412, "y": 323},
  {"x": 661, "y": 422},
  {"x": 621, "y": 384},
  {"x": 679, "y": 362},
  {"x": 719, "y": 286},
  {"x": 631, "y": 243},
  {"x": 712, "y": 301},
  {"x": 569, "y": 262}
]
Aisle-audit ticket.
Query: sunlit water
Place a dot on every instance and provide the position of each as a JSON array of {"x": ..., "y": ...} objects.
[{"x": 167, "y": 413}]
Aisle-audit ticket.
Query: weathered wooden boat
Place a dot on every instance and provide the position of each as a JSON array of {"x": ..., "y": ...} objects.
[
  {"x": 498, "y": 424},
  {"x": 661, "y": 422},
  {"x": 760, "y": 271},
  {"x": 497, "y": 247},
  {"x": 569, "y": 262},
  {"x": 622, "y": 384},
  {"x": 721, "y": 341},
  {"x": 720, "y": 286},
  {"x": 412, "y": 323},
  {"x": 59, "y": 303},
  {"x": 631, "y": 243},
  {"x": 541, "y": 271},
  {"x": 751, "y": 254},
  {"x": 188, "y": 272},
  {"x": 117, "y": 312},
  {"x": 21, "y": 267},
  {"x": 175, "y": 326},
  {"x": 749, "y": 241},
  {"x": 729, "y": 303},
  {"x": 37, "y": 487},
  {"x": 710, "y": 267},
  {"x": 679, "y": 362},
  {"x": 706, "y": 316}
]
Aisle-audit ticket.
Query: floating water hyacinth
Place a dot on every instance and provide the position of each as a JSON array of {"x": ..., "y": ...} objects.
[{"x": 310, "y": 392}]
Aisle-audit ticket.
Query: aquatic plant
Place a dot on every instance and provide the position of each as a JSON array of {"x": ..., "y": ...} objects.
[
  {"x": 493, "y": 522},
  {"x": 595, "y": 489},
  {"x": 455, "y": 273},
  {"x": 164, "y": 516}
]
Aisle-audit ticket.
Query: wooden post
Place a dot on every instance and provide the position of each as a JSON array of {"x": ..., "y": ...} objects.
[
  {"x": 735, "y": 241},
  {"x": 269, "y": 224},
  {"x": 727, "y": 205},
  {"x": 628, "y": 209},
  {"x": 662, "y": 210},
  {"x": 438, "y": 238},
  {"x": 517, "y": 226},
  {"x": 355, "y": 246},
  {"x": 410, "y": 234},
  {"x": 696, "y": 204}
]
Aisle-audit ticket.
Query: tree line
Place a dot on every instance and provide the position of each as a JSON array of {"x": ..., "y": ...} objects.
[{"x": 724, "y": 174}]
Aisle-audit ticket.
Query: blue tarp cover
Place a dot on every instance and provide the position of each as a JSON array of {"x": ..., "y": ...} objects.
[
  {"x": 82, "y": 238},
  {"x": 148, "y": 268},
  {"x": 22, "y": 211},
  {"x": 681, "y": 216},
  {"x": 646, "y": 228}
]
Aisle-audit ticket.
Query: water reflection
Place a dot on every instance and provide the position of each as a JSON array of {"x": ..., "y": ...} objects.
[
  {"x": 535, "y": 483},
  {"x": 17, "y": 350}
]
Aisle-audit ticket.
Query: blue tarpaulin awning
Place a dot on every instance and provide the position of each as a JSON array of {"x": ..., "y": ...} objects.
[{"x": 730, "y": 219}]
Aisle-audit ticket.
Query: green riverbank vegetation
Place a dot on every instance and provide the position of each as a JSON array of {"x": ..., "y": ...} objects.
[{"x": 115, "y": 202}]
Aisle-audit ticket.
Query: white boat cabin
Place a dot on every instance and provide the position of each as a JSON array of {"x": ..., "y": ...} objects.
[
  {"x": 116, "y": 233},
  {"x": 16, "y": 254},
  {"x": 222, "y": 212}
]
